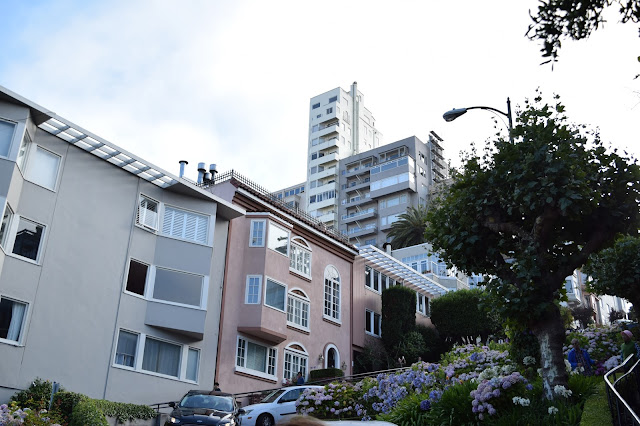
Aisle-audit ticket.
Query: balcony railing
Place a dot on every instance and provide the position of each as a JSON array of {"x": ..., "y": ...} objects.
[{"x": 357, "y": 214}]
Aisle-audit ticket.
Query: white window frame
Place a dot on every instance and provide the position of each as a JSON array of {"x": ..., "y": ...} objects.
[
  {"x": 292, "y": 373},
  {"x": 23, "y": 324},
  {"x": 259, "y": 240},
  {"x": 10, "y": 237},
  {"x": 196, "y": 215},
  {"x": 4, "y": 239},
  {"x": 370, "y": 318},
  {"x": 305, "y": 306},
  {"x": 264, "y": 296},
  {"x": 139, "y": 356},
  {"x": 299, "y": 252},
  {"x": 146, "y": 280},
  {"x": 141, "y": 217},
  {"x": 271, "y": 361},
  {"x": 329, "y": 297},
  {"x": 274, "y": 225},
  {"x": 246, "y": 293},
  {"x": 33, "y": 148},
  {"x": 423, "y": 304},
  {"x": 11, "y": 137},
  {"x": 373, "y": 283},
  {"x": 151, "y": 283}
]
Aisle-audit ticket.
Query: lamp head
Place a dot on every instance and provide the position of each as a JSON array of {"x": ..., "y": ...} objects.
[{"x": 453, "y": 114}]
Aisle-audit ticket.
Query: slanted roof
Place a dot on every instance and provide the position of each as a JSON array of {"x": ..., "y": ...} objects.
[{"x": 384, "y": 262}]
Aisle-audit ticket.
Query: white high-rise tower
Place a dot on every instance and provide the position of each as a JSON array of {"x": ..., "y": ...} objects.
[{"x": 339, "y": 126}]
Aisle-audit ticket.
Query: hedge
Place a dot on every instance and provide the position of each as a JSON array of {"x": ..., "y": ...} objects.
[
  {"x": 398, "y": 315},
  {"x": 87, "y": 412},
  {"x": 325, "y": 373}
]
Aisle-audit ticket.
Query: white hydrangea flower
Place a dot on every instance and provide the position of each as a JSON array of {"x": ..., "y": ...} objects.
[{"x": 552, "y": 410}]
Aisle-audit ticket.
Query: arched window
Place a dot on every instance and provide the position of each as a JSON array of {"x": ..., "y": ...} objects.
[
  {"x": 300, "y": 258},
  {"x": 298, "y": 309},
  {"x": 332, "y": 293},
  {"x": 296, "y": 360}
]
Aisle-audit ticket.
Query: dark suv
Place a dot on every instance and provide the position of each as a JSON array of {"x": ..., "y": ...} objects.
[{"x": 200, "y": 408}]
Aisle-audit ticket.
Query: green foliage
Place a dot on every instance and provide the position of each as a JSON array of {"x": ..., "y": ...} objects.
[
  {"x": 125, "y": 412},
  {"x": 454, "y": 408},
  {"x": 87, "y": 412},
  {"x": 325, "y": 373},
  {"x": 567, "y": 317},
  {"x": 434, "y": 345},
  {"x": 398, "y": 315},
  {"x": 560, "y": 19},
  {"x": 63, "y": 403},
  {"x": 411, "y": 347},
  {"x": 459, "y": 314},
  {"x": 584, "y": 315},
  {"x": 616, "y": 270},
  {"x": 407, "y": 412},
  {"x": 408, "y": 230},
  {"x": 523, "y": 344},
  {"x": 36, "y": 396},
  {"x": 615, "y": 315},
  {"x": 374, "y": 357},
  {"x": 596, "y": 408}
]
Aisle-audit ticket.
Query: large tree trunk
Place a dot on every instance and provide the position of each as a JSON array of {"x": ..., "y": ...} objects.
[{"x": 551, "y": 335}]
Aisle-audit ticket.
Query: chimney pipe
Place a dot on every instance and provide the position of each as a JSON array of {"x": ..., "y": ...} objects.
[
  {"x": 201, "y": 172},
  {"x": 213, "y": 170},
  {"x": 206, "y": 178},
  {"x": 182, "y": 164}
]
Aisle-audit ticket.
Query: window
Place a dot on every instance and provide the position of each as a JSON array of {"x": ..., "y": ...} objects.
[
  {"x": 278, "y": 239},
  {"x": 298, "y": 309},
  {"x": 126, "y": 349},
  {"x": 329, "y": 110},
  {"x": 137, "y": 277},
  {"x": 193, "y": 364},
  {"x": 332, "y": 293},
  {"x": 333, "y": 99},
  {"x": 295, "y": 361},
  {"x": 254, "y": 286},
  {"x": 373, "y": 279},
  {"x": 178, "y": 287},
  {"x": 314, "y": 106},
  {"x": 4, "y": 227},
  {"x": 158, "y": 356},
  {"x": 6, "y": 135},
  {"x": 43, "y": 168},
  {"x": 257, "y": 233},
  {"x": 186, "y": 225},
  {"x": 27, "y": 239},
  {"x": 147, "y": 213},
  {"x": 275, "y": 294},
  {"x": 255, "y": 357},
  {"x": 161, "y": 357},
  {"x": 300, "y": 257},
  {"x": 12, "y": 319},
  {"x": 372, "y": 323},
  {"x": 23, "y": 151},
  {"x": 422, "y": 304}
]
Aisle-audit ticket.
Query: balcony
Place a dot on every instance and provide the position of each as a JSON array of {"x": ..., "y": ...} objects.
[
  {"x": 331, "y": 171},
  {"x": 359, "y": 232},
  {"x": 329, "y": 158},
  {"x": 357, "y": 201},
  {"x": 356, "y": 185},
  {"x": 323, "y": 188},
  {"x": 358, "y": 170},
  {"x": 328, "y": 130},
  {"x": 361, "y": 215},
  {"x": 178, "y": 319},
  {"x": 327, "y": 217}
]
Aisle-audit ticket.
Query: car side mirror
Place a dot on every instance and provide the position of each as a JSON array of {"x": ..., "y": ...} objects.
[
  {"x": 241, "y": 411},
  {"x": 172, "y": 404}
]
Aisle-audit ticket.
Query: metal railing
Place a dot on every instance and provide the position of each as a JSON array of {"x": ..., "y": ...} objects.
[{"x": 623, "y": 392}]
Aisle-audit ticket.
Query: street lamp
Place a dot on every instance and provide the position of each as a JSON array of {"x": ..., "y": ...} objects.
[{"x": 457, "y": 112}]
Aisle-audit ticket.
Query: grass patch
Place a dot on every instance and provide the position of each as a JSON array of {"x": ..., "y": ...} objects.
[{"x": 596, "y": 408}]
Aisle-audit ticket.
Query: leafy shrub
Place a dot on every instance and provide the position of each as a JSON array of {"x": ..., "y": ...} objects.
[
  {"x": 408, "y": 412},
  {"x": 524, "y": 344},
  {"x": 601, "y": 343},
  {"x": 584, "y": 315},
  {"x": 86, "y": 412},
  {"x": 63, "y": 403},
  {"x": 434, "y": 346},
  {"x": 460, "y": 314},
  {"x": 334, "y": 401},
  {"x": 325, "y": 373},
  {"x": 13, "y": 415},
  {"x": 411, "y": 347},
  {"x": 398, "y": 315},
  {"x": 123, "y": 411},
  {"x": 454, "y": 407},
  {"x": 374, "y": 357},
  {"x": 36, "y": 396}
]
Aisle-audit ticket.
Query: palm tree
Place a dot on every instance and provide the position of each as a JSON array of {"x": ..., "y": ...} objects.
[{"x": 409, "y": 229}]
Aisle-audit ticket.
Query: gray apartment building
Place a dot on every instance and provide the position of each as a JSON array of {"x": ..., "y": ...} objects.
[
  {"x": 378, "y": 185},
  {"x": 111, "y": 269}
]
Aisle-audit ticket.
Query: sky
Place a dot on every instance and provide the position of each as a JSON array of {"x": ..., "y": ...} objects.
[{"x": 229, "y": 82}]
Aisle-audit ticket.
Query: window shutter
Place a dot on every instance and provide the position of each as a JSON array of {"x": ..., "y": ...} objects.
[
  {"x": 186, "y": 225},
  {"x": 148, "y": 213}
]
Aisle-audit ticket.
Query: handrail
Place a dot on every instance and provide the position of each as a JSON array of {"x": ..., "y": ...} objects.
[{"x": 612, "y": 388}]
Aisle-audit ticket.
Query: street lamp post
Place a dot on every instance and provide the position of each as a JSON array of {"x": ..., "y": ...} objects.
[{"x": 457, "y": 112}]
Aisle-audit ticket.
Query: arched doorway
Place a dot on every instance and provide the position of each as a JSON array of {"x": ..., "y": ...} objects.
[{"x": 331, "y": 356}]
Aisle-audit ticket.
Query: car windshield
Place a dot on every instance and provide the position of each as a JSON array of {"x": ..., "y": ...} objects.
[
  {"x": 211, "y": 402},
  {"x": 273, "y": 395}
]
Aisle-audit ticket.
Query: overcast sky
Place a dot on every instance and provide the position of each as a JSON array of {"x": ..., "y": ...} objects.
[{"x": 229, "y": 82}]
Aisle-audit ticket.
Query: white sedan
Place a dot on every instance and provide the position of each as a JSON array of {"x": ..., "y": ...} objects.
[{"x": 276, "y": 408}]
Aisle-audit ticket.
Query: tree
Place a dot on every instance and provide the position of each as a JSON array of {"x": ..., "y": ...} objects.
[
  {"x": 528, "y": 213},
  {"x": 398, "y": 316},
  {"x": 574, "y": 19},
  {"x": 615, "y": 315},
  {"x": 408, "y": 230},
  {"x": 583, "y": 314},
  {"x": 616, "y": 270},
  {"x": 459, "y": 314}
]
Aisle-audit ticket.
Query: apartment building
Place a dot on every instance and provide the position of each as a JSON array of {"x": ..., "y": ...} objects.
[
  {"x": 288, "y": 292},
  {"x": 339, "y": 126},
  {"x": 378, "y": 185},
  {"x": 111, "y": 269}
]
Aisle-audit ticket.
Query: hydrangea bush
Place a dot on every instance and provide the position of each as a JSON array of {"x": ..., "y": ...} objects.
[
  {"x": 13, "y": 415},
  {"x": 602, "y": 343}
]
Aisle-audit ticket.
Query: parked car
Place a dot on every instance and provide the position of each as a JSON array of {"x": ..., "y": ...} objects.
[
  {"x": 206, "y": 408},
  {"x": 277, "y": 408}
]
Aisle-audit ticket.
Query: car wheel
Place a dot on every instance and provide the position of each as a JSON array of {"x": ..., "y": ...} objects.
[{"x": 265, "y": 420}]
